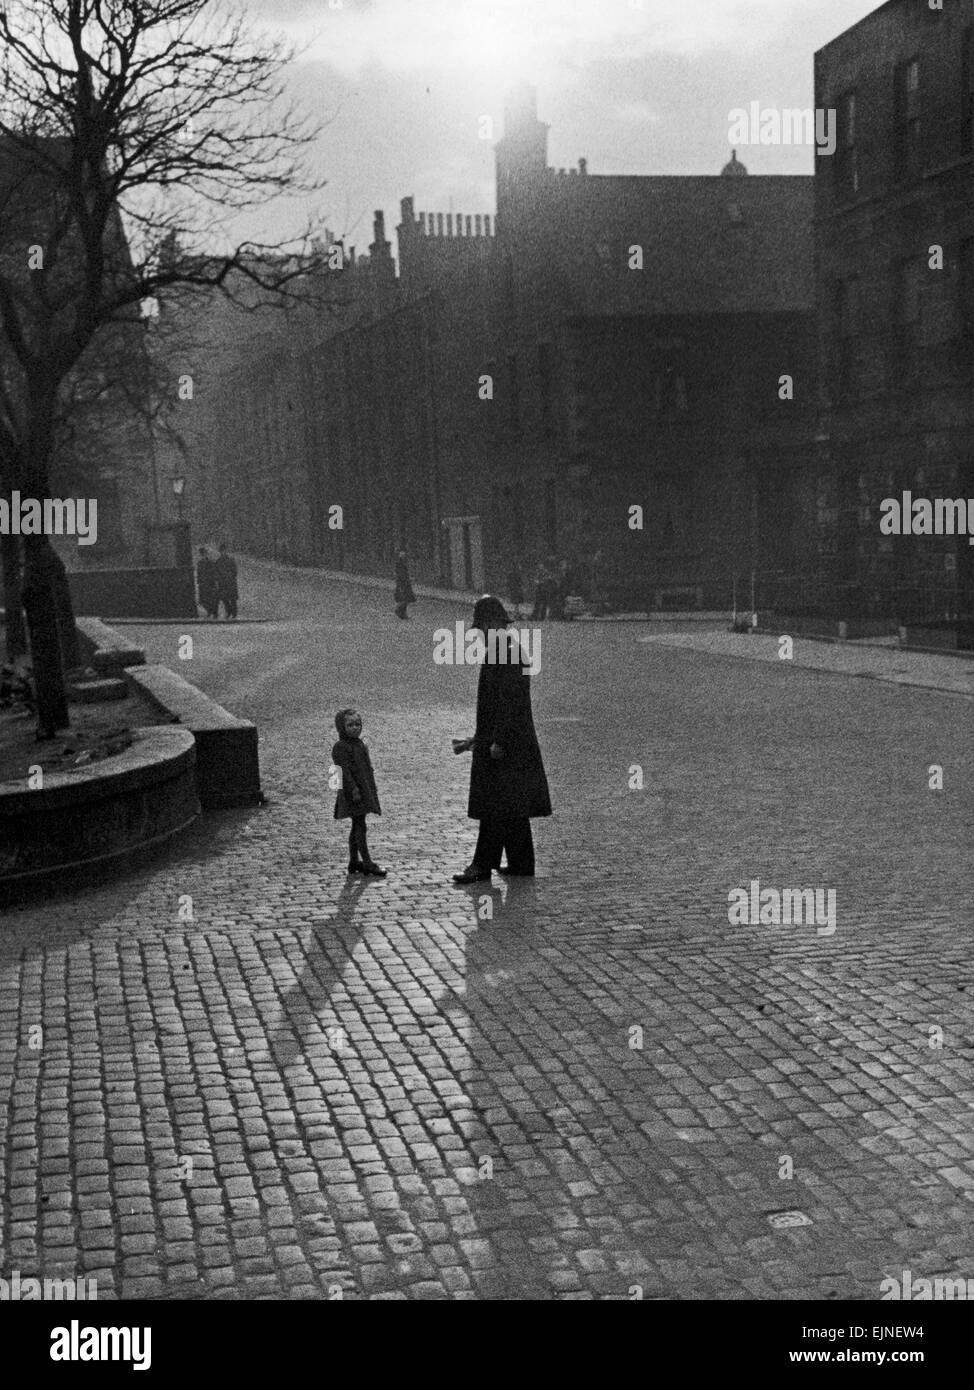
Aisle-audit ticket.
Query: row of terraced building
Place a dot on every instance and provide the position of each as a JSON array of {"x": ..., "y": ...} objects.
[{"x": 753, "y": 361}]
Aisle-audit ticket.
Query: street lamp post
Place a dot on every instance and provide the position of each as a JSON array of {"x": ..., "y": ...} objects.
[{"x": 178, "y": 487}]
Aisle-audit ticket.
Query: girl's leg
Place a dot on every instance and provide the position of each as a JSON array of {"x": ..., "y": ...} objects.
[
  {"x": 368, "y": 864},
  {"x": 357, "y": 840}
]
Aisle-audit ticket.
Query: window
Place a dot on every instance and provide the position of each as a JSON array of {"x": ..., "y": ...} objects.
[
  {"x": 513, "y": 402},
  {"x": 846, "y": 314},
  {"x": 735, "y": 213},
  {"x": 965, "y": 287},
  {"x": 967, "y": 91},
  {"x": 544, "y": 385},
  {"x": 906, "y": 319},
  {"x": 906, "y": 118},
  {"x": 510, "y": 286},
  {"x": 847, "y": 152},
  {"x": 674, "y": 512},
  {"x": 668, "y": 394}
]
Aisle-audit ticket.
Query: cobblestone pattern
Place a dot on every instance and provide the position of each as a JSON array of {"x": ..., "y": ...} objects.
[{"x": 320, "y": 1087}]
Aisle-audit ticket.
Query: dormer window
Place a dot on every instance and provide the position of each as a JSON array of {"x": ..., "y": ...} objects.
[{"x": 735, "y": 214}]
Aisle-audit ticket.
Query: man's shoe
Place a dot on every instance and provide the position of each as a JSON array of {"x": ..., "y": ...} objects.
[
  {"x": 473, "y": 874},
  {"x": 373, "y": 871},
  {"x": 355, "y": 868},
  {"x": 508, "y": 872}
]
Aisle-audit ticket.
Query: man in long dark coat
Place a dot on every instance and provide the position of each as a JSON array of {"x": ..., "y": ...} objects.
[
  {"x": 206, "y": 582},
  {"x": 404, "y": 595},
  {"x": 226, "y": 582},
  {"x": 507, "y": 779}
]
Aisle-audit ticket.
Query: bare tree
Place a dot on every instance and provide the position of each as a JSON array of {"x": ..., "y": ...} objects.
[{"x": 131, "y": 133}]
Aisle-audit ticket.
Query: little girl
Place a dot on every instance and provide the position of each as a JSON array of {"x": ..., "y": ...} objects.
[{"x": 358, "y": 796}]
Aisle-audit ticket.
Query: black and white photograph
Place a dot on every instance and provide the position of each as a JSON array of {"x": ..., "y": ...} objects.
[{"x": 486, "y": 671}]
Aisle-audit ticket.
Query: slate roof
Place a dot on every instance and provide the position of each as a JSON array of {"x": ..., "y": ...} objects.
[{"x": 711, "y": 244}]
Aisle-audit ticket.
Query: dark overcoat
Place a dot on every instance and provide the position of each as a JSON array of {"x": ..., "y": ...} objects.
[
  {"x": 225, "y": 573},
  {"x": 515, "y": 785},
  {"x": 404, "y": 589},
  {"x": 206, "y": 582},
  {"x": 352, "y": 756}
]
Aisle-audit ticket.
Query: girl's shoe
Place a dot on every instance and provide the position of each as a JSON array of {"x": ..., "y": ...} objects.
[{"x": 372, "y": 870}]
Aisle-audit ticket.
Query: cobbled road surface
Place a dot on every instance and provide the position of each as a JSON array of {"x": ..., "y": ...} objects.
[{"x": 260, "y": 1078}]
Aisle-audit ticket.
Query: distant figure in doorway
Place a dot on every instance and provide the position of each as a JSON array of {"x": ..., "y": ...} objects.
[
  {"x": 225, "y": 570},
  {"x": 404, "y": 590},
  {"x": 357, "y": 797},
  {"x": 507, "y": 778},
  {"x": 515, "y": 590},
  {"x": 206, "y": 582}
]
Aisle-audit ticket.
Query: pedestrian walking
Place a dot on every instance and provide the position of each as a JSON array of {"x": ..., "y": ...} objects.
[
  {"x": 560, "y": 585},
  {"x": 357, "y": 796},
  {"x": 404, "y": 590},
  {"x": 225, "y": 569},
  {"x": 542, "y": 593},
  {"x": 508, "y": 785},
  {"x": 206, "y": 582},
  {"x": 515, "y": 590}
]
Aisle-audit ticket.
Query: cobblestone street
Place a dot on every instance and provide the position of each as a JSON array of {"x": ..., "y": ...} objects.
[{"x": 588, "y": 1085}]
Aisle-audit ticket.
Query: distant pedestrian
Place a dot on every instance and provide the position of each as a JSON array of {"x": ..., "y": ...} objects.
[
  {"x": 507, "y": 778},
  {"x": 357, "y": 797},
  {"x": 206, "y": 582},
  {"x": 404, "y": 590},
  {"x": 560, "y": 582},
  {"x": 515, "y": 589},
  {"x": 542, "y": 593},
  {"x": 595, "y": 594},
  {"x": 225, "y": 569}
]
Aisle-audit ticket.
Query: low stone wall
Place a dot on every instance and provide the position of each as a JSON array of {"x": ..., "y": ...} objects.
[
  {"x": 227, "y": 765},
  {"x": 104, "y": 648},
  {"x": 134, "y": 593},
  {"x": 96, "y": 815}
]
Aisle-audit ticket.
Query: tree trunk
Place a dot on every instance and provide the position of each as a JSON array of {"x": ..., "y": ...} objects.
[
  {"x": 41, "y": 607},
  {"x": 43, "y": 570},
  {"x": 67, "y": 632},
  {"x": 15, "y": 632}
]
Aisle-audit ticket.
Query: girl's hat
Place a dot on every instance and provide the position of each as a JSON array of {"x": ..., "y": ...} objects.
[{"x": 340, "y": 719}]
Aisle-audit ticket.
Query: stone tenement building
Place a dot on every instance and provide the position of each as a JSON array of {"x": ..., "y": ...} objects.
[
  {"x": 635, "y": 332},
  {"x": 895, "y": 267}
]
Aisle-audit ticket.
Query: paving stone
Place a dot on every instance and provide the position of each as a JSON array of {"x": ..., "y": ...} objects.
[{"x": 360, "y": 1166}]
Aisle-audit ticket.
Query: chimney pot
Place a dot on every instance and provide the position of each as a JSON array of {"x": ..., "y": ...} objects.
[
  {"x": 468, "y": 225},
  {"x": 486, "y": 224},
  {"x": 477, "y": 227},
  {"x": 439, "y": 224},
  {"x": 583, "y": 166},
  {"x": 449, "y": 224}
]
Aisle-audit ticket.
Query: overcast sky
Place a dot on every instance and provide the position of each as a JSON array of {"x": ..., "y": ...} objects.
[{"x": 635, "y": 86}]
